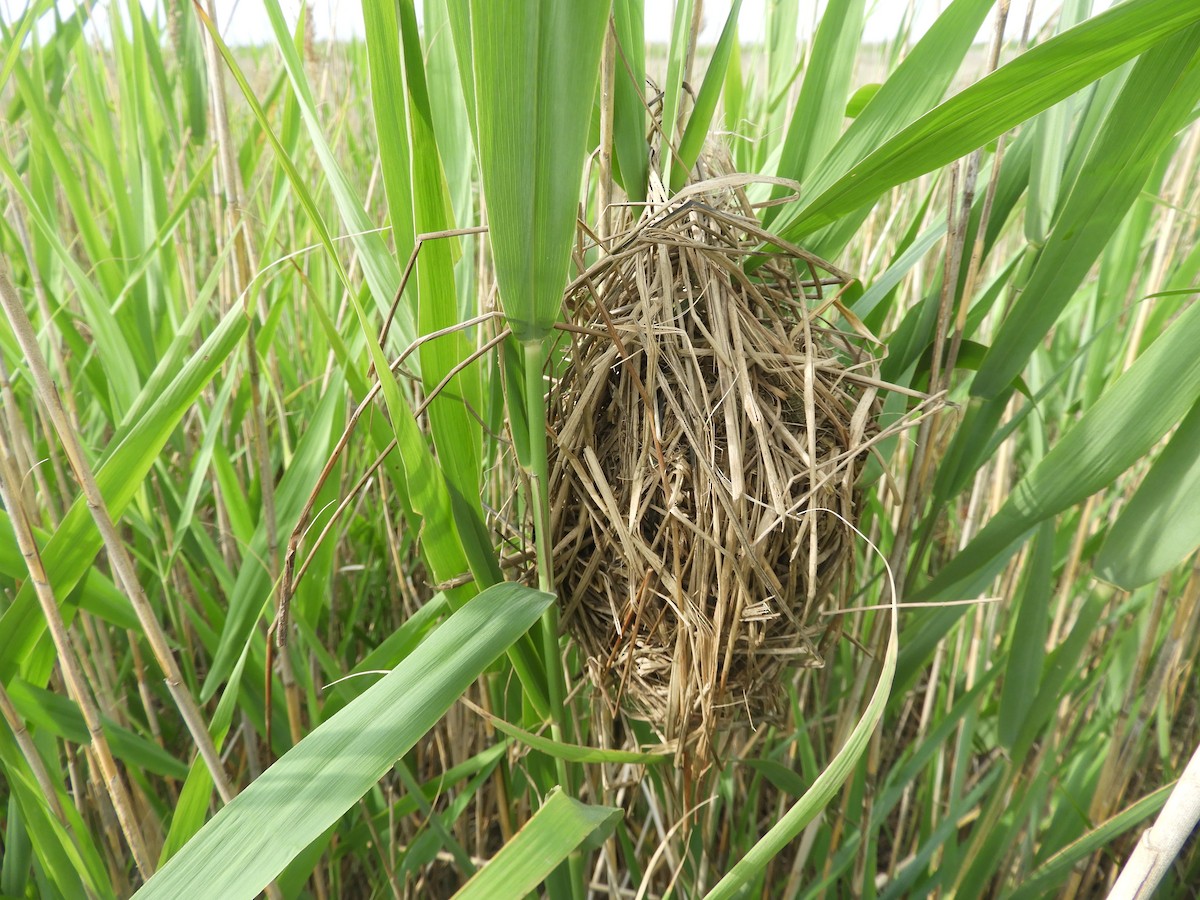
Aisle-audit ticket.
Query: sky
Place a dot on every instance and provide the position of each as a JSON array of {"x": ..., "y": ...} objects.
[{"x": 245, "y": 21}]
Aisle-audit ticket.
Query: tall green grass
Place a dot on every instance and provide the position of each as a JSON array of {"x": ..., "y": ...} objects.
[{"x": 201, "y": 246}]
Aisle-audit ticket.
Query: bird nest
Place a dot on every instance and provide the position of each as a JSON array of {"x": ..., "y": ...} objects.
[{"x": 707, "y": 433}]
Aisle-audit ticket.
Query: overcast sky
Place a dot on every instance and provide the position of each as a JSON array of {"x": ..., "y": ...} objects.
[{"x": 245, "y": 21}]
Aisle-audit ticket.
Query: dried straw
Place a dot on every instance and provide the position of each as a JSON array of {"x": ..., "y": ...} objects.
[{"x": 707, "y": 427}]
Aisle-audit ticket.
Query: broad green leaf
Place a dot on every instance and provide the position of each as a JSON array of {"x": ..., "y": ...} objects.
[
  {"x": 696, "y": 131},
  {"x": 629, "y": 103},
  {"x": 394, "y": 648},
  {"x": 1032, "y": 82},
  {"x": 816, "y": 121},
  {"x": 249, "y": 842},
  {"x": 95, "y": 591},
  {"x": 481, "y": 763},
  {"x": 918, "y": 84},
  {"x": 456, "y": 433},
  {"x": 451, "y": 123},
  {"x": 1027, "y": 648},
  {"x": 256, "y": 580},
  {"x": 61, "y": 716},
  {"x": 1127, "y": 420},
  {"x": 1156, "y": 101},
  {"x": 1161, "y": 525},
  {"x": 389, "y": 109},
  {"x": 559, "y": 827},
  {"x": 536, "y": 67}
]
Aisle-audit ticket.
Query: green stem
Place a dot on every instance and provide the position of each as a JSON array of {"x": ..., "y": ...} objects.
[{"x": 539, "y": 479}]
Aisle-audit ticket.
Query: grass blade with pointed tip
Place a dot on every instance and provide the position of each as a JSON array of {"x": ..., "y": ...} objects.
[
  {"x": 1128, "y": 419},
  {"x": 1055, "y": 870},
  {"x": 76, "y": 542},
  {"x": 817, "y": 119},
  {"x": 573, "y": 752},
  {"x": 1155, "y": 102},
  {"x": 701, "y": 118},
  {"x": 1013, "y": 93}
]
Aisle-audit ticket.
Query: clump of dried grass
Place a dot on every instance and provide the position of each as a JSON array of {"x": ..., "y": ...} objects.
[{"x": 706, "y": 437}]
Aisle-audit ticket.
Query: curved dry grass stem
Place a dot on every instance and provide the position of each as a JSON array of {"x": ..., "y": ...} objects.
[{"x": 705, "y": 426}]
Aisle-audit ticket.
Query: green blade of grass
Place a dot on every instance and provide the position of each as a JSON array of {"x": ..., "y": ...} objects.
[
  {"x": 65, "y": 868},
  {"x": 629, "y": 105},
  {"x": 389, "y": 108},
  {"x": 536, "y": 66},
  {"x": 822, "y": 790},
  {"x": 255, "y": 579},
  {"x": 1058, "y": 868},
  {"x": 784, "y": 57},
  {"x": 75, "y": 543},
  {"x": 1156, "y": 101},
  {"x": 379, "y": 266},
  {"x": 457, "y": 435},
  {"x": 1127, "y": 420},
  {"x": 15, "y": 39},
  {"x": 1051, "y": 144},
  {"x": 110, "y": 342},
  {"x": 817, "y": 119},
  {"x": 918, "y": 84},
  {"x": 700, "y": 121},
  {"x": 195, "y": 797},
  {"x": 249, "y": 842},
  {"x": 561, "y": 825},
  {"x": 60, "y": 716},
  {"x": 1023, "y": 671},
  {"x": 672, "y": 95},
  {"x": 1161, "y": 525},
  {"x": 1013, "y": 93},
  {"x": 572, "y": 752}
]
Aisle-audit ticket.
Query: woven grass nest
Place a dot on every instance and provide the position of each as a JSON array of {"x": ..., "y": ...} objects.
[{"x": 707, "y": 434}]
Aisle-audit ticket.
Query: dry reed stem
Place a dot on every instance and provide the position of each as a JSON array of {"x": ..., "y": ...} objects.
[
  {"x": 119, "y": 558},
  {"x": 76, "y": 682}
]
